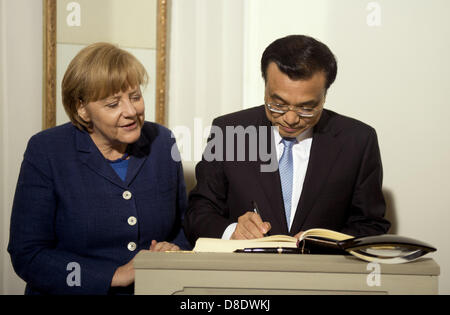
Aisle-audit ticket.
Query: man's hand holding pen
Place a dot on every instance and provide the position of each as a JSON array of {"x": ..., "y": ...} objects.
[{"x": 250, "y": 226}]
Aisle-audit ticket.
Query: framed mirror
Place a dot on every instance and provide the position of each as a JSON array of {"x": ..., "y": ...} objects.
[{"x": 138, "y": 26}]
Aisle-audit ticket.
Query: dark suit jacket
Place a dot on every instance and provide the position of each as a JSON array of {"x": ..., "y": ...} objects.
[
  {"x": 342, "y": 190},
  {"x": 69, "y": 207}
]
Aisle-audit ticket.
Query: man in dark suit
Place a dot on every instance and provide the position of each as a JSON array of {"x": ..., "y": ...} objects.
[{"x": 327, "y": 173}]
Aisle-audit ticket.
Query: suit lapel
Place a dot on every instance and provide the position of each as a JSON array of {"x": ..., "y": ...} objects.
[
  {"x": 270, "y": 180},
  {"x": 139, "y": 152},
  {"x": 94, "y": 160},
  {"x": 324, "y": 151}
]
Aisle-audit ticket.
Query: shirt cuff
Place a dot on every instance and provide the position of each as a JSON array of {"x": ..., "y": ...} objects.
[{"x": 229, "y": 231}]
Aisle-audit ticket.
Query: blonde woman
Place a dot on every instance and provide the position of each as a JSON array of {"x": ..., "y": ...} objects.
[{"x": 93, "y": 193}]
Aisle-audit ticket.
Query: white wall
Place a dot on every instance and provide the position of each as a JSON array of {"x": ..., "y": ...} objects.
[
  {"x": 205, "y": 76},
  {"x": 2, "y": 146},
  {"x": 21, "y": 107},
  {"x": 128, "y": 23}
]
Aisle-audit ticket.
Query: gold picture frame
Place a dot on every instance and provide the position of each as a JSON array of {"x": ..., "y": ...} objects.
[{"x": 49, "y": 62}]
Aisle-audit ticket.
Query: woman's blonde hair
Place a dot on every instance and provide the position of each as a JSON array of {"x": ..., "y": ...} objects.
[{"x": 98, "y": 71}]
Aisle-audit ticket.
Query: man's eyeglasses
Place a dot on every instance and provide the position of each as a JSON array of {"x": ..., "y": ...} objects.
[{"x": 302, "y": 111}]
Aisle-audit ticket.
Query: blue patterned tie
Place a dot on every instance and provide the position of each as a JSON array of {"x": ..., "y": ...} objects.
[{"x": 286, "y": 168}]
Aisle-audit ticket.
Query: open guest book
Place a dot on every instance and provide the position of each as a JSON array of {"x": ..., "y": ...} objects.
[{"x": 389, "y": 249}]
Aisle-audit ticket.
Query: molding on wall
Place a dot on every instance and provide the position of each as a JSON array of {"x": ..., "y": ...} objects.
[
  {"x": 49, "y": 68},
  {"x": 161, "y": 63}
]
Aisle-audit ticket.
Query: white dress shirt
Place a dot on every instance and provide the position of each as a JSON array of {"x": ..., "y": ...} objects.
[{"x": 300, "y": 154}]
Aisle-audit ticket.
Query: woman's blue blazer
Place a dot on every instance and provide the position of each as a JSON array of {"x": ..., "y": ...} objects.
[{"x": 71, "y": 211}]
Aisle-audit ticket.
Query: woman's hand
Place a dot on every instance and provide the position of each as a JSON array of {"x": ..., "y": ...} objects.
[
  {"x": 124, "y": 275},
  {"x": 163, "y": 247}
]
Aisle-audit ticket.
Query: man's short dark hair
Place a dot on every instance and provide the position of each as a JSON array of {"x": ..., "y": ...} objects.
[{"x": 300, "y": 57}]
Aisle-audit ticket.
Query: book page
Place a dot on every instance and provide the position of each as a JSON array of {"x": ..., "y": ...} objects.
[
  {"x": 217, "y": 245},
  {"x": 330, "y": 234}
]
